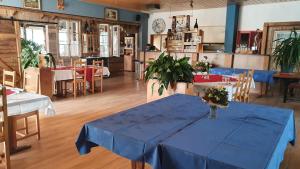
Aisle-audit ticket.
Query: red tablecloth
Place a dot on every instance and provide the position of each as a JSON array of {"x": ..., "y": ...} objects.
[
  {"x": 9, "y": 92},
  {"x": 212, "y": 78}
]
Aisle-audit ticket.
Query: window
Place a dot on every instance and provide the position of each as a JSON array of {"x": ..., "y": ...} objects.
[
  {"x": 35, "y": 34},
  {"x": 69, "y": 38},
  {"x": 104, "y": 40}
]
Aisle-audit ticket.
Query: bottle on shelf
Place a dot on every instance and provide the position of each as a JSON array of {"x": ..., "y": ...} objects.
[{"x": 196, "y": 25}]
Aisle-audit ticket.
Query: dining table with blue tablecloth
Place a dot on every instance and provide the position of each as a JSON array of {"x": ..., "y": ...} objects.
[
  {"x": 263, "y": 76},
  {"x": 176, "y": 133}
]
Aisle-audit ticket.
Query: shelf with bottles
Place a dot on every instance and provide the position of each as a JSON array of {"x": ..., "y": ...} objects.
[
  {"x": 186, "y": 41},
  {"x": 248, "y": 42}
]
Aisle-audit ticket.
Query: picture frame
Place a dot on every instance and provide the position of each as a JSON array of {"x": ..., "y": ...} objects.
[
  {"x": 60, "y": 4},
  {"x": 181, "y": 22},
  {"x": 111, "y": 14},
  {"x": 32, "y": 4}
]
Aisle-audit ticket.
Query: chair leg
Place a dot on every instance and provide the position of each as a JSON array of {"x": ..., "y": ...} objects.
[
  {"x": 26, "y": 125},
  {"x": 7, "y": 153},
  {"x": 74, "y": 89},
  {"x": 93, "y": 86},
  {"x": 38, "y": 125},
  {"x": 84, "y": 89},
  {"x": 101, "y": 83}
]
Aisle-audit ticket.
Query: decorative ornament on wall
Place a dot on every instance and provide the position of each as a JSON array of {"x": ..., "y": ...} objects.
[
  {"x": 60, "y": 4},
  {"x": 158, "y": 25}
]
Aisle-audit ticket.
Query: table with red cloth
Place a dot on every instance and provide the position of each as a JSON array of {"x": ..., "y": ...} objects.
[
  {"x": 66, "y": 73},
  {"x": 212, "y": 78}
]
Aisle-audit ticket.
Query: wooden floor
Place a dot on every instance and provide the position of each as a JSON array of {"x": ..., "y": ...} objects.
[{"x": 56, "y": 149}]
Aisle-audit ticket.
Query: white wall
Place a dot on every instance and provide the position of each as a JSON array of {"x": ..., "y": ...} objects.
[
  {"x": 254, "y": 16},
  {"x": 251, "y": 17},
  {"x": 215, "y": 17}
]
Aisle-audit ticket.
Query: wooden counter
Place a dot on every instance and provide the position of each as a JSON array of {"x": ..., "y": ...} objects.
[{"x": 251, "y": 61}]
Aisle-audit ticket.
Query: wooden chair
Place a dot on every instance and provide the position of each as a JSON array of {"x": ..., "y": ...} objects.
[
  {"x": 9, "y": 78},
  {"x": 4, "y": 137},
  {"x": 243, "y": 86},
  {"x": 60, "y": 62},
  {"x": 31, "y": 84},
  {"x": 97, "y": 75},
  {"x": 293, "y": 86},
  {"x": 79, "y": 77}
]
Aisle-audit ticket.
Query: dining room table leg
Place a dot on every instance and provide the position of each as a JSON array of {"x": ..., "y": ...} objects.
[
  {"x": 137, "y": 165},
  {"x": 285, "y": 89},
  {"x": 12, "y": 128}
]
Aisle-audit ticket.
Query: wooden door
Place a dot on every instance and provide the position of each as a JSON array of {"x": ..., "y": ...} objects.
[{"x": 10, "y": 48}]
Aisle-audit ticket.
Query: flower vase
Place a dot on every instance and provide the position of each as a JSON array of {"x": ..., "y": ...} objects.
[{"x": 213, "y": 112}]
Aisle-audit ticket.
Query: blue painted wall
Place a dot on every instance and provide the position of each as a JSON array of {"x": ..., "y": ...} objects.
[
  {"x": 76, "y": 7},
  {"x": 232, "y": 16}
]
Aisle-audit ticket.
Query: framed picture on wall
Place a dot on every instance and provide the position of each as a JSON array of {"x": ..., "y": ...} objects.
[
  {"x": 60, "y": 4},
  {"x": 32, "y": 4},
  {"x": 111, "y": 14}
]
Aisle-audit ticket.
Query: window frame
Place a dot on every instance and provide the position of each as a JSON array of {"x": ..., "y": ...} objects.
[{"x": 69, "y": 34}]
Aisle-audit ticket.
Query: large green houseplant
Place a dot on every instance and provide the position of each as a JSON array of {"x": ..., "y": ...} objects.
[
  {"x": 169, "y": 71},
  {"x": 287, "y": 52},
  {"x": 30, "y": 54}
]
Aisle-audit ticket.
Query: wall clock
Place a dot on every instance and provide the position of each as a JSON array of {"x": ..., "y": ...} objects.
[{"x": 158, "y": 25}]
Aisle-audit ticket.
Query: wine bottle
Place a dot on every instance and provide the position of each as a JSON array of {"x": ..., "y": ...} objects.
[{"x": 196, "y": 25}]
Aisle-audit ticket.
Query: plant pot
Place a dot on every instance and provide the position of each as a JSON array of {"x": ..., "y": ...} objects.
[{"x": 152, "y": 93}]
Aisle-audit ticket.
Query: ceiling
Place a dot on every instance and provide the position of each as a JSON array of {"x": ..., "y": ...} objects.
[{"x": 175, "y": 5}]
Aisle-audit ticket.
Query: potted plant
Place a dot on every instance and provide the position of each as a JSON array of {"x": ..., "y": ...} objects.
[
  {"x": 30, "y": 55},
  {"x": 287, "y": 52},
  {"x": 166, "y": 76},
  {"x": 216, "y": 98}
]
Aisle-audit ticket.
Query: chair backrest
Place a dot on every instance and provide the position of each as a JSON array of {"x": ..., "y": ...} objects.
[
  {"x": 79, "y": 69},
  {"x": 4, "y": 125},
  {"x": 239, "y": 91},
  {"x": 31, "y": 81},
  {"x": 249, "y": 81},
  {"x": 60, "y": 62},
  {"x": 9, "y": 78},
  {"x": 243, "y": 86},
  {"x": 98, "y": 68}
]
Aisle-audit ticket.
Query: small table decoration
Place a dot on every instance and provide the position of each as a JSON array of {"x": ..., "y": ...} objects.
[
  {"x": 216, "y": 98},
  {"x": 202, "y": 67}
]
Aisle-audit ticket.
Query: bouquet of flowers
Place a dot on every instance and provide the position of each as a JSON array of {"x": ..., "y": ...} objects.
[
  {"x": 203, "y": 66},
  {"x": 216, "y": 98}
]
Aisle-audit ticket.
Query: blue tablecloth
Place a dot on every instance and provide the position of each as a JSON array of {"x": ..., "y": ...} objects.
[
  {"x": 243, "y": 136},
  {"x": 264, "y": 76},
  {"x": 136, "y": 133},
  {"x": 175, "y": 132}
]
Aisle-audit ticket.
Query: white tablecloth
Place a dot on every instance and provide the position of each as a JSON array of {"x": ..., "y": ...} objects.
[
  {"x": 21, "y": 103},
  {"x": 60, "y": 75}
]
